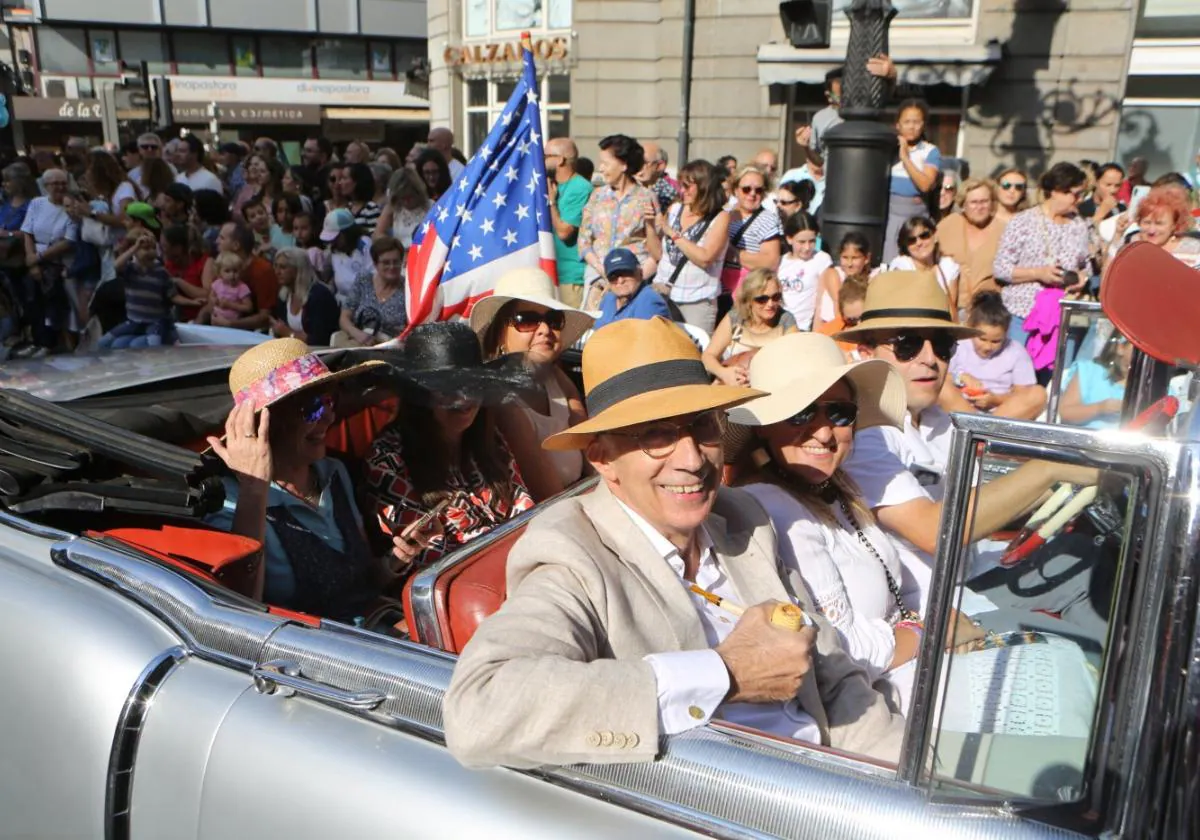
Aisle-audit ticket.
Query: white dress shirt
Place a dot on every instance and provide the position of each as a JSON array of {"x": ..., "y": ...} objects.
[{"x": 693, "y": 683}]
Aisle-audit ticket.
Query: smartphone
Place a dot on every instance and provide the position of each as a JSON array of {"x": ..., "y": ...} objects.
[
  {"x": 1135, "y": 199},
  {"x": 424, "y": 520}
]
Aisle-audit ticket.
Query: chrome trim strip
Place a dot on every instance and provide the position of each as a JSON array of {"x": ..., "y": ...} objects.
[
  {"x": 34, "y": 529},
  {"x": 1067, "y": 309},
  {"x": 424, "y": 617},
  {"x": 118, "y": 796}
]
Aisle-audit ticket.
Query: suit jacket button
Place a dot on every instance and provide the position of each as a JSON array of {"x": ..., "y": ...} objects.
[
  {"x": 633, "y": 741},
  {"x": 696, "y": 712},
  {"x": 593, "y": 739},
  {"x": 606, "y": 738},
  {"x": 620, "y": 740}
]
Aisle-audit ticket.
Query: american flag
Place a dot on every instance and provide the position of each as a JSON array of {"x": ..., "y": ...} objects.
[{"x": 496, "y": 216}]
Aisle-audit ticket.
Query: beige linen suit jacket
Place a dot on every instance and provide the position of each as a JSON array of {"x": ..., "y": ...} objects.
[{"x": 557, "y": 675}]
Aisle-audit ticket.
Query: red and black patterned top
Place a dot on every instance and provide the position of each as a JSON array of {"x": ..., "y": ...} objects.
[{"x": 473, "y": 510}]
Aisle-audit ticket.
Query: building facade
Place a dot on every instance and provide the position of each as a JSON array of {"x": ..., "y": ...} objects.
[
  {"x": 288, "y": 68},
  {"x": 1024, "y": 82}
]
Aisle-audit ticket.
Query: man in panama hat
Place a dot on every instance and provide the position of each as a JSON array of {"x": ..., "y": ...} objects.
[
  {"x": 622, "y": 621},
  {"x": 906, "y": 321}
]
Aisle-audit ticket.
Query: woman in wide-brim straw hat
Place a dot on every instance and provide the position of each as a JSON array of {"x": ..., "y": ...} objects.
[
  {"x": 524, "y": 315},
  {"x": 285, "y": 492}
]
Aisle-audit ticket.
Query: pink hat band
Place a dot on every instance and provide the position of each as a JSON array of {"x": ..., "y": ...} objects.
[{"x": 283, "y": 380}]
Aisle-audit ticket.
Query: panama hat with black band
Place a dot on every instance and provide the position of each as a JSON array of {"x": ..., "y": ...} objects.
[
  {"x": 642, "y": 370},
  {"x": 905, "y": 301}
]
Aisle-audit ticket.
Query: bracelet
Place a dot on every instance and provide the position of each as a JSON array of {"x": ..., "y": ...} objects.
[{"x": 915, "y": 626}]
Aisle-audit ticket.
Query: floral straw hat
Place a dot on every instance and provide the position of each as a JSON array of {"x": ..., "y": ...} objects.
[{"x": 284, "y": 367}]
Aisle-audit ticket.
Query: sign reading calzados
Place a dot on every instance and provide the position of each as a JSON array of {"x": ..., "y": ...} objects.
[{"x": 544, "y": 48}]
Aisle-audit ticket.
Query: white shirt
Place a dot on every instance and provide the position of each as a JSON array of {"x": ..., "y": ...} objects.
[
  {"x": 946, "y": 270},
  {"x": 456, "y": 169},
  {"x": 800, "y": 280},
  {"x": 201, "y": 179},
  {"x": 692, "y": 683}
]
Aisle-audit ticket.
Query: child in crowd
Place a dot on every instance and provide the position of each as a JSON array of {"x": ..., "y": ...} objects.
[
  {"x": 800, "y": 270},
  {"x": 854, "y": 260},
  {"x": 283, "y": 231},
  {"x": 141, "y": 217},
  {"x": 230, "y": 297},
  {"x": 852, "y": 298},
  {"x": 258, "y": 219},
  {"x": 148, "y": 291},
  {"x": 990, "y": 372},
  {"x": 304, "y": 228}
]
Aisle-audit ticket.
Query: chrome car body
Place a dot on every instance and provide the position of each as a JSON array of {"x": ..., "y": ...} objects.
[{"x": 145, "y": 702}]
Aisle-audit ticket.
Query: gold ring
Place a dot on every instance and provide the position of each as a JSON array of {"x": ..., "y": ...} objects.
[{"x": 250, "y": 435}]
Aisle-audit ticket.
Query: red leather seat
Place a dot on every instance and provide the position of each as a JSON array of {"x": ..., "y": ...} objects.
[{"x": 219, "y": 556}]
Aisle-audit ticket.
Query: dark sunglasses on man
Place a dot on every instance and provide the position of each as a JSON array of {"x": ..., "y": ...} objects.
[
  {"x": 529, "y": 321},
  {"x": 907, "y": 347}
]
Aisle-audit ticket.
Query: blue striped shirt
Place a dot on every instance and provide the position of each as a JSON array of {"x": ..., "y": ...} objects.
[{"x": 147, "y": 293}]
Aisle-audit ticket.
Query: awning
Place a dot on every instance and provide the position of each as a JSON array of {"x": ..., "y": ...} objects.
[{"x": 929, "y": 64}]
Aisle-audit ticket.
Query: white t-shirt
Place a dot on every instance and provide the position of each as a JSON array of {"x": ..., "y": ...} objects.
[
  {"x": 456, "y": 169},
  {"x": 201, "y": 179},
  {"x": 893, "y": 466},
  {"x": 800, "y": 280},
  {"x": 946, "y": 269}
]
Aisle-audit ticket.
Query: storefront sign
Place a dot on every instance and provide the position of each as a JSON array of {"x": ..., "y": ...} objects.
[
  {"x": 292, "y": 92},
  {"x": 46, "y": 109},
  {"x": 256, "y": 113},
  {"x": 548, "y": 49}
]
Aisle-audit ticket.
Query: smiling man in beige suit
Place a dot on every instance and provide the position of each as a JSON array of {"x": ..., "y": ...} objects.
[{"x": 604, "y": 645}]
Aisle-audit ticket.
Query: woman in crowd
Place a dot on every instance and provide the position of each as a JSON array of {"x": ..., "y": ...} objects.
[
  {"x": 948, "y": 196},
  {"x": 391, "y": 158},
  {"x": 914, "y": 175},
  {"x": 918, "y": 244},
  {"x": 1096, "y": 392},
  {"x": 1044, "y": 247},
  {"x": 382, "y": 173},
  {"x": 49, "y": 235},
  {"x": 286, "y": 493},
  {"x": 695, "y": 236},
  {"x": 262, "y": 183},
  {"x": 307, "y": 308},
  {"x": 349, "y": 252},
  {"x": 331, "y": 189},
  {"x": 523, "y": 315},
  {"x": 407, "y": 206},
  {"x": 357, "y": 184},
  {"x": 293, "y": 183},
  {"x": 1163, "y": 219},
  {"x": 157, "y": 177},
  {"x": 434, "y": 172},
  {"x": 1103, "y": 202},
  {"x": 1012, "y": 193},
  {"x": 107, "y": 181},
  {"x": 756, "y": 319},
  {"x": 620, "y": 214},
  {"x": 788, "y": 200},
  {"x": 374, "y": 310},
  {"x": 283, "y": 220},
  {"x": 19, "y": 189},
  {"x": 444, "y": 452},
  {"x": 971, "y": 239},
  {"x": 755, "y": 234},
  {"x": 854, "y": 260},
  {"x": 804, "y": 431}
]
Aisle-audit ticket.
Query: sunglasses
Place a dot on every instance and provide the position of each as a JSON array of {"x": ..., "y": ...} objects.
[
  {"x": 658, "y": 440},
  {"x": 783, "y": 203},
  {"x": 923, "y": 236},
  {"x": 1012, "y": 185},
  {"x": 317, "y": 408},
  {"x": 752, "y": 190},
  {"x": 775, "y": 298},
  {"x": 908, "y": 347},
  {"x": 148, "y": 147},
  {"x": 839, "y": 413},
  {"x": 528, "y": 321}
]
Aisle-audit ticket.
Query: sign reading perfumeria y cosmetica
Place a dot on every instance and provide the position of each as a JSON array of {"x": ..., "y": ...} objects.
[{"x": 293, "y": 91}]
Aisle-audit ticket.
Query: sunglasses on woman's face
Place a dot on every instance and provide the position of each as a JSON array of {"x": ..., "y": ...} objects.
[
  {"x": 923, "y": 236},
  {"x": 317, "y": 408},
  {"x": 753, "y": 190},
  {"x": 528, "y": 321},
  {"x": 839, "y": 413},
  {"x": 908, "y": 347},
  {"x": 1012, "y": 185},
  {"x": 775, "y": 298}
]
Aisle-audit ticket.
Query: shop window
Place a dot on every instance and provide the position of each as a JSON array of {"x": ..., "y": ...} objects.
[
  {"x": 558, "y": 90},
  {"x": 63, "y": 51},
  {"x": 409, "y": 54},
  {"x": 518, "y": 14},
  {"x": 245, "y": 56},
  {"x": 381, "y": 60},
  {"x": 1168, "y": 19},
  {"x": 341, "y": 59},
  {"x": 1167, "y": 136},
  {"x": 482, "y": 18},
  {"x": 476, "y": 18},
  {"x": 485, "y": 100},
  {"x": 477, "y": 93},
  {"x": 201, "y": 54},
  {"x": 284, "y": 57},
  {"x": 104, "y": 52},
  {"x": 559, "y": 14},
  {"x": 151, "y": 47},
  {"x": 558, "y": 122}
]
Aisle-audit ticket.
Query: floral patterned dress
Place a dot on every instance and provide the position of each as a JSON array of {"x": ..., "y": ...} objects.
[{"x": 474, "y": 509}]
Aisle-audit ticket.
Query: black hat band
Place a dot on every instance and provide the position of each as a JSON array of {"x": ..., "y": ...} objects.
[
  {"x": 639, "y": 380},
  {"x": 934, "y": 314}
]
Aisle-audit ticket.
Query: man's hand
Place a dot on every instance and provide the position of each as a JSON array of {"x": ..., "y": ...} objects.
[
  {"x": 765, "y": 663},
  {"x": 882, "y": 66},
  {"x": 553, "y": 193},
  {"x": 963, "y": 632},
  {"x": 804, "y": 136}
]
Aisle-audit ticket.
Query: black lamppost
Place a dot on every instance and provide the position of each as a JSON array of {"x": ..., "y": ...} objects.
[{"x": 861, "y": 150}]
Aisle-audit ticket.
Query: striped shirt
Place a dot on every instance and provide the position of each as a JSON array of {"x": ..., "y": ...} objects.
[{"x": 147, "y": 293}]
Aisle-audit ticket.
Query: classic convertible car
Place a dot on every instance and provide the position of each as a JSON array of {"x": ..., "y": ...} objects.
[{"x": 146, "y": 696}]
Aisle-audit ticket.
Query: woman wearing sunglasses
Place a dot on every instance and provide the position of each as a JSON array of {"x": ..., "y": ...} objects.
[
  {"x": 755, "y": 232},
  {"x": 1012, "y": 194},
  {"x": 524, "y": 316},
  {"x": 757, "y": 319},
  {"x": 800, "y": 435},
  {"x": 285, "y": 493},
  {"x": 919, "y": 251}
]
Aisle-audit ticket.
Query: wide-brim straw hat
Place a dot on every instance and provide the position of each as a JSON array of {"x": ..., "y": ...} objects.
[
  {"x": 639, "y": 370},
  {"x": 906, "y": 300},
  {"x": 531, "y": 285},
  {"x": 444, "y": 358},
  {"x": 795, "y": 370},
  {"x": 284, "y": 367}
]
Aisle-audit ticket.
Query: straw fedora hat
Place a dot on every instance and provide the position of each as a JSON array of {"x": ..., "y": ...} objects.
[
  {"x": 796, "y": 369},
  {"x": 284, "y": 367},
  {"x": 639, "y": 370},
  {"x": 906, "y": 300},
  {"x": 531, "y": 285}
]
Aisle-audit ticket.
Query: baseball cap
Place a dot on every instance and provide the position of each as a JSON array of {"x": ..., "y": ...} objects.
[
  {"x": 621, "y": 261},
  {"x": 144, "y": 213},
  {"x": 336, "y": 222}
]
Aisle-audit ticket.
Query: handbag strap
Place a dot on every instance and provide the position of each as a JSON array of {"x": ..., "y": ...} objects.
[
  {"x": 736, "y": 242},
  {"x": 704, "y": 223},
  {"x": 905, "y": 613}
]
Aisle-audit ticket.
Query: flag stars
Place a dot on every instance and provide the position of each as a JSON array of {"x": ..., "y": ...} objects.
[
  {"x": 510, "y": 238},
  {"x": 533, "y": 182},
  {"x": 522, "y": 211},
  {"x": 532, "y": 97},
  {"x": 499, "y": 200},
  {"x": 534, "y": 136},
  {"x": 466, "y": 216},
  {"x": 523, "y": 148},
  {"x": 487, "y": 226},
  {"x": 479, "y": 191},
  {"x": 454, "y": 242},
  {"x": 459, "y": 209},
  {"x": 486, "y": 151},
  {"x": 463, "y": 184},
  {"x": 443, "y": 214},
  {"x": 510, "y": 174},
  {"x": 476, "y": 253}
]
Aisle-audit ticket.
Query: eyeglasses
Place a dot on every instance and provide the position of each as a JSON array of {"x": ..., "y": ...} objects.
[
  {"x": 783, "y": 203},
  {"x": 316, "y": 409},
  {"x": 775, "y": 298},
  {"x": 528, "y": 321},
  {"x": 148, "y": 147},
  {"x": 948, "y": 187},
  {"x": 908, "y": 347},
  {"x": 389, "y": 263},
  {"x": 658, "y": 440},
  {"x": 1012, "y": 185},
  {"x": 752, "y": 190},
  {"x": 839, "y": 413},
  {"x": 923, "y": 236}
]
